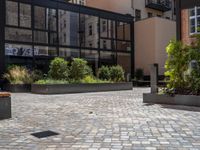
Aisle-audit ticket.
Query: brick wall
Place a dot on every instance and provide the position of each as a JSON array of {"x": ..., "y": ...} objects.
[{"x": 185, "y": 35}]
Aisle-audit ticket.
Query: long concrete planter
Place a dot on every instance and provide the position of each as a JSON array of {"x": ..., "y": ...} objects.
[
  {"x": 5, "y": 108},
  {"x": 187, "y": 100},
  {"x": 18, "y": 88},
  {"x": 79, "y": 88}
]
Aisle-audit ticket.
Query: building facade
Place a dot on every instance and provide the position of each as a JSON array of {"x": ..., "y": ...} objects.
[
  {"x": 141, "y": 9},
  {"x": 188, "y": 20},
  {"x": 154, "y": 26},
  {"x": 33, "y": 32}
]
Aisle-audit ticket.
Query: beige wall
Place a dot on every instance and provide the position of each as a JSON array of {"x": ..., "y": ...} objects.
[{"x": 151, "y": 38}]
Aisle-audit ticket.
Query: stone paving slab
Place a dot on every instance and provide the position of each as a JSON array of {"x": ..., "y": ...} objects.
[{"x": 99, "y": 121}]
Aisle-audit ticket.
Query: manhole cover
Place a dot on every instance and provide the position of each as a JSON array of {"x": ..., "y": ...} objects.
[{"x": 44, "y": 134}]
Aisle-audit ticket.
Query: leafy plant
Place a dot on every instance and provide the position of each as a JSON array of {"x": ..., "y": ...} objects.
[
  {"x": 59, "y": 69},
  {"x": 91, "y": 79},
  {"x": 18, "y": 75},
  {"x": 139, "y": 74},
  {"x": 104, "y": 73},
  {"x": 117, "y": 73},
  {"x": 79, "y": 69},
  {"x": 51, "y": 81}
]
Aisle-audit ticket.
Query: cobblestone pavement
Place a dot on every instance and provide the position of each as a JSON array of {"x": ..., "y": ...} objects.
[{"x": 99, "y": 121}]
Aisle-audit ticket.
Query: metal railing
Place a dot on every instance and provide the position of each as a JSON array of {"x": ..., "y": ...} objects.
[{"x": 163, "y": 3}]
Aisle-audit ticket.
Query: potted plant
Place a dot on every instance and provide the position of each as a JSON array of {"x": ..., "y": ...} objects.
[
  {"x": 20, "y": 78},
  {"x": 183, "y": 76}
]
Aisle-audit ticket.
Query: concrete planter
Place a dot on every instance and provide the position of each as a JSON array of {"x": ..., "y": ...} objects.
[
  {"x": 5, "y": 107},
  {"x": 18, "y": 88},
  {"x": 79, "y": 88},
  {"x": 187, "y": 100}
]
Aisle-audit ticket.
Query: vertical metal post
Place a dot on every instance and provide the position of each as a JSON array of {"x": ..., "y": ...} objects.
[
  {"x": 2, "y": 37},
  {"x": 154, "y": 78},
  {"x": 132, "y": 50}
]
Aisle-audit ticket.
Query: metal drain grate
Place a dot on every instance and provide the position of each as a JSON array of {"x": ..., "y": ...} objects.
[{"x": 44, "y": 134}]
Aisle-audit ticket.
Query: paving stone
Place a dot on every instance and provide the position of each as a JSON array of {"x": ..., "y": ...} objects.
[{"x": 119, "y": 120}]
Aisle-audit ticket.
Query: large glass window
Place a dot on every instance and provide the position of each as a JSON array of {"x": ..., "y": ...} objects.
[
  {"x": 124, "y": 60},
  {"x": 45, "y": 51},
  {"x": 68, "y": 28},
  {"x": 107, "y": 58},
  {"x": 89, "y": 31},
  {"x": 194, "y": 20},
  {"x": 69, "y": 53},
  {"x": 25, "y": 15},
  {"x": 18, "y": 14},
  {"x": 40, "y": 18},
  {"x": 15, "y": 34},
  {"x": 11, "y": 13}
]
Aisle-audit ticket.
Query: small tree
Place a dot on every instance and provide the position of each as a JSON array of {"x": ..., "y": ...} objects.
[{"x": 59, "y": 69}]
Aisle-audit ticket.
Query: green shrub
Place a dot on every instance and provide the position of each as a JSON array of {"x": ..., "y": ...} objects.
[
  {"x": 139, "y": 74},
  {"x": 104, "y": 73},
  {"x": 117, "y": 74},
  {"x": 51, "y": 81},
  {"x": 91, "y": 79},
  {"x": 79, "y": 69},
  {"x": 36, "y": 75},
  {"x": 59, "y": 69},
  {"x": 18, "y": 75}
]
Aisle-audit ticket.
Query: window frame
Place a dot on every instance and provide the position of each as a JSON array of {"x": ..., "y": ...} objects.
[{"x": 195, "y": 17}]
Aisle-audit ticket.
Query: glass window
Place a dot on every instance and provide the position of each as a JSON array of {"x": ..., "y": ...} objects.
[
  {"x": 194, "y": 20},
  {"x": 69, "y": 28},
  {"x": 123, "y": 46},
  {"x": 25, "y": 15},
  {"x": 11, "y": 13},
  {"x": 127, "y": 32},
  {"x": 39, "y": 18},
  {"x": 69, "y": 53},
  {"x": 45, "y": 51},
  {"x": 41, "y": 37},
  {"x": 18, "y": 50},
  {"x": 124, "y": 60},
  {"x": 105, "y": 44},
  {"x": 52, "y": 19},
  {"x": 107, "y": 28},
  {"x": 89, "y": 31},
  {"x": 107, "y": 58},
  {"x": 21, "y": 35},
  {"x": 90, "y": 54},
  {"x": 120, "y": 30}
]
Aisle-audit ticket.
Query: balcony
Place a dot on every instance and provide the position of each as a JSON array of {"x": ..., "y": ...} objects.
[{"x": 160, "y": 5}]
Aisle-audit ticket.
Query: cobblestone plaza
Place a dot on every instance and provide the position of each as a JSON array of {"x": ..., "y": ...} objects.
[{"x": 99, "y": 121}]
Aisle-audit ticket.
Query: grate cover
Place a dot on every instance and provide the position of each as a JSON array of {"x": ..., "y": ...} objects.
[{"x": 44, "y": 134}]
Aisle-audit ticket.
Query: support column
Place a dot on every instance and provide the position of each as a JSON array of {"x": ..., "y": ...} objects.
[
  {"x": 2, "y": 38},
  {"x": 154, "y": 78}
]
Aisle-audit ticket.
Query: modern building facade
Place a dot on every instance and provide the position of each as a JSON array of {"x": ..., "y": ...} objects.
[
  {"x": 33, "y": 32},
  {"x": 154, "y": 26},
  {"x": 188, "y": 20}
]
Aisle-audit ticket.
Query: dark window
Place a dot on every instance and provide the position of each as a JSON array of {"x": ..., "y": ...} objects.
[
  {"x": 90, "y": 29},
  {"x": 137, "y": 14},
  {"x": 150, "y": 15}
]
